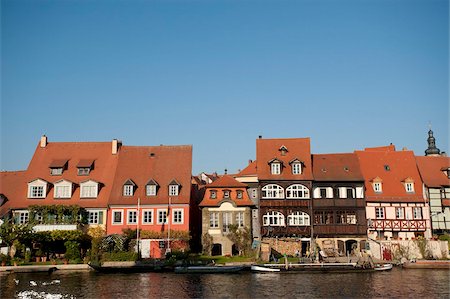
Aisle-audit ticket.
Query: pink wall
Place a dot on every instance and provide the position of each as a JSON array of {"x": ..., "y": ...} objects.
[{"x": 116, "y": 228}]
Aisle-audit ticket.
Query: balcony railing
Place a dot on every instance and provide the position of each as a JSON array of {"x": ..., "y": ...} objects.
[
  {"x": 52, "y": 227},
  {"x": 385, "y": 224}
]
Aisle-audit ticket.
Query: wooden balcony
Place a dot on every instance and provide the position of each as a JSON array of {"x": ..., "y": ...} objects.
[
  {"x": 398, "y": 224},
  {"x": 285, "y": 203},
  {"x": 343, "y": 229},
  {"x": 338, "y": 202}
]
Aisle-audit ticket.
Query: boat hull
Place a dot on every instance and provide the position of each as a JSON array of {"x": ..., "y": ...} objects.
[{"x": 209, "y": 269}]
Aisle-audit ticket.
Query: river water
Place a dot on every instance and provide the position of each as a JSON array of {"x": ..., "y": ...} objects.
[{"x": 398, "y": 283}]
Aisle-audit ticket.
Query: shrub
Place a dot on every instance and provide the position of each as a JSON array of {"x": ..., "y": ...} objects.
[
  {"x": 72, "y": 251},
  {"x": 119, "y": 256}
]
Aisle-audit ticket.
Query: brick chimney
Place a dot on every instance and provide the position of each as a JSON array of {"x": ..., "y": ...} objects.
[
  {"x": 43, "y": 141},
  {"x": 115, "y": 146}
]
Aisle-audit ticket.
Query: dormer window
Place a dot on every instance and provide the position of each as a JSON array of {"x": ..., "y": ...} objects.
[
  {"x": 275, "y": 166},
  {"x": 213, "y": 194},
  {"x": 174, "y": 188},
  {"x": 151, "y": 188},
  {"x": 37, "y": 189},
  {"x": 409, "y": 185},
  {"x": 239, "y": 194},
  {"x": 84, "y": 167},
  {"x": 377, "y": 187},
  {"x": 128, "y": 188},
  {"x": 89, "y": 189},
  {"x": 296, "y": 166},
  {"x": 63, "y": 189},
  {"x": 283, "y": 150},
  {"x": 58, "y": 166},
  {"x": 226, "y": 193}
]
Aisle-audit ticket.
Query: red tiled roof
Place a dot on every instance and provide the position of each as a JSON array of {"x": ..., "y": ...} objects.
[
  {"x": 58, "y": 163},
  {"x": 163, "y": 164},
  {"x": 400, "y": 165},
  {"x": 250, "y": 170},
  {"x": 432, "y": 168},
  {"x": 336, "y": 167},
  {"x": 12, "y": 188},
  {"x": 269, "y": 149},
  {"x": 72, "y": 152},
  {"x": 226, "y": 181}
]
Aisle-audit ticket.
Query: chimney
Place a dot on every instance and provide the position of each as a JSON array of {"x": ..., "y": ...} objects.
[
  {"x": 260, "y": 136},
  {"x": 226, "y": 171},
  {"x": 404, "y": 148},
  {"x": 115, "y": 146},
  {"x": 43, "y": 141},
  {"x": 250, "y": 161}
]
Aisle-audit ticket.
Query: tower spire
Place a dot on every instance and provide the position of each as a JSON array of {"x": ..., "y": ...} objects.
[{"x": 432, "y": 150}]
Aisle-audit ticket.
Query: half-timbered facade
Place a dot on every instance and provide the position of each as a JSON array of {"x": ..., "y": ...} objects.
[
  {"x": 285, "y": 177},
  {"x": 395, "y": 203},
  {"x": 339, "y": 221}
]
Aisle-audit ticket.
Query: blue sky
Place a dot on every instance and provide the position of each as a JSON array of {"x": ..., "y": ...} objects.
[{"x": 216, "y": 74}]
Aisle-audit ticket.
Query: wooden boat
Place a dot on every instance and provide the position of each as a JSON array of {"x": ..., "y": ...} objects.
[
  {"x": 326, "y": 267},
  {"x": 129, "y": 267},
  {"x": 384, "y": 267},
  {"x": 427, "y": 264},
  {"x": 208, "y": 269},
  {"x": 256, "y": 268}
]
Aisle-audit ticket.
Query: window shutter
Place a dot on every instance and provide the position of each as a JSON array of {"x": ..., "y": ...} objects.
[{"x": 100, "y": 217}]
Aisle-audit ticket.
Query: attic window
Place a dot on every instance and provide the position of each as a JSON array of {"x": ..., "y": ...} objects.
[
  {"x": 128, "y": 188},
  {"x": 275, "y": 168},
  {"x": 58, "y": 166},
  {"x": 213, "y": 194},
  {"x": 346, "y": 168},
  {"x": 387, "y": 168},
  {"x": 84, "y": 167},
  {"x": 151, "y": 188},
  {"x": 283, "y": 150},
  {"x": 226, "y": 193},
  {"x": 174, "y": 188}
]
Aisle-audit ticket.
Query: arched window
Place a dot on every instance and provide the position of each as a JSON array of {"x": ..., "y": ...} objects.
[
  {"x": 298, "y": 219},
  {"x": 297, "y": 191},
  {"x": 273, "y": 218},
  {"x": 272, "y": 191}
]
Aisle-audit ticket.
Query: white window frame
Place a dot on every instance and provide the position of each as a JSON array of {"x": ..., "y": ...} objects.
[
  {"x": 113, "y": 216},
  {"x": 239, "y": 194},
  {"x": 82, "y": 171},
  {"x": 145, "y": 214},
  {"x": 214, "y": 219},
  {"x": 273, "y": 218},
  {"x": 128, "y": 190},
  {"x": 417, "y": 215},
  {"x": 136, "y": 216},
  {"x": 296, "y": 168},
  {"x": 173, "y": 190},
  {"x": 272, "y": 191},
  {"x": 275, "y": 168},
  {"x": 227, "y": 219},
  {"x": 159, "y": 211},
  {"x": 296, "y": 191},
  {"x": 174, "y": 216},
  {"x": 409, "y": 187},
  {"x": 377, "y": 187},
  {"x": 94, "y": 217},
  {"x": 89, "y": 189},
  {"x": 63, "y": 189},
  {"x": 240, "y": 219},
  {"x": 299, "y": 218},
  {"x": 36, "y": 185},
  {"x": 226, "y": 194},
  {"x": 56, "y": 171},
  {"x": 379, "y": 213},
  {"x": 23, "y": 216},
  {"x": 213, "y": 194},
  {"x": 399, "y": 213},
  {"x": 150, "y": 190}
]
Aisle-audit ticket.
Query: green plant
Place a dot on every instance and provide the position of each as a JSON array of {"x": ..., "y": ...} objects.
[
  {"x": 422, "y": 244},
  {"x": 120, "y": 256},
  {"x": 207, "y": 242},
  {"x": 241, "y": 237},
  {"x": 72, "y": 250}
]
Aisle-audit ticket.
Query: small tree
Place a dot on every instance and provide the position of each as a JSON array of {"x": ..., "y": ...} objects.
[
  {"x": 241, "y": 238},
  {"x": 11, "y": 234},
  {"x": 207, "y": 243},
  {"x": 72, "y": 251}
]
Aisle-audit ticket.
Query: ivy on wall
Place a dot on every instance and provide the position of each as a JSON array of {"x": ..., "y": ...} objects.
[{"x": 57, "y": 214}]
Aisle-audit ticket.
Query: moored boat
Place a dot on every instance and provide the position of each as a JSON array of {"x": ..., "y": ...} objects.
[
  {"x": 208, "y": 269},
  {"x": 384, "y": 267},
  {"x": 427, "y": 264},
  {"x": 256, "y": 268},
  {"x": 326, "y": 267}
]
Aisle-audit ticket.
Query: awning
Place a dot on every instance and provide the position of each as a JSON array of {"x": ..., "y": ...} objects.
[
  {"x": 85, "y": 163},
  {"x": 58, "y": 163}
]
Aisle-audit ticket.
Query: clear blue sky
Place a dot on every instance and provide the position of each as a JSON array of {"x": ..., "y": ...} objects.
[{"x": 216, "y": 74}]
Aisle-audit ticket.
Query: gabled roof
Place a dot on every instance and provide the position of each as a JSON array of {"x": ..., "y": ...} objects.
[
  {"x": 152, "y": 182},
  {"x": 432, "y": 169},
  {"x": 268, "y": 149},
  {"x": 13, "y": 187},
  {"x": 336, "y": 167},
  {"x": 250, "y": 170},
  {"x": 164, "y": 164},
  {"x": 226, "y": 181},
  {"x": 105, "y": 167},
  {"x": 129, "y": 182},
  {"x": 402, "y": 164},
  {"x": 83, "y": 163}
]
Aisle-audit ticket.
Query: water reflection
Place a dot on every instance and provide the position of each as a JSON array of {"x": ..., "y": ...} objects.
[{"x": 398, "y": 284}]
